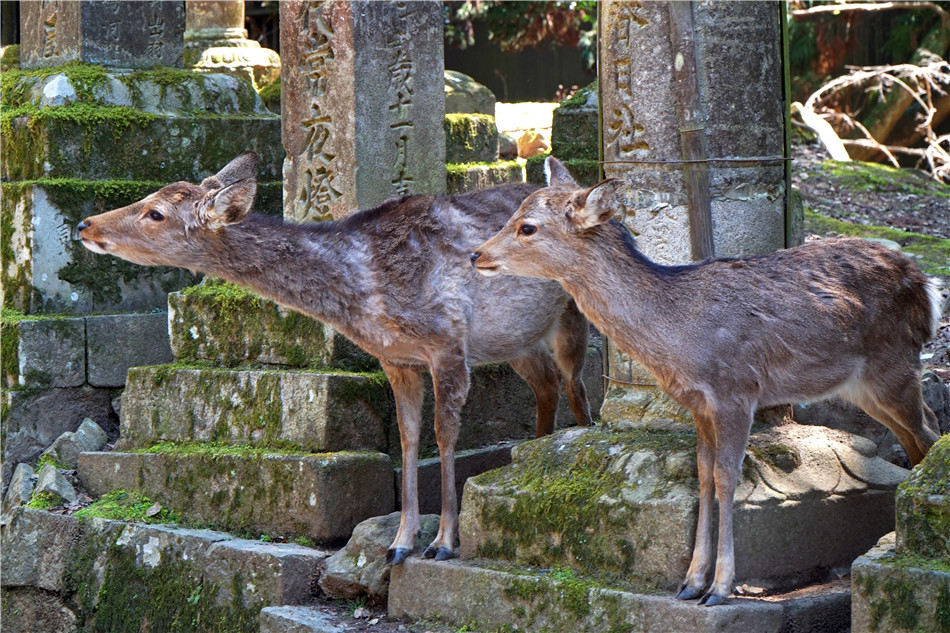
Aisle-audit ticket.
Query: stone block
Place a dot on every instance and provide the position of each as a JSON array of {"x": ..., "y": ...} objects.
[
  {"x": 463, "y": 593},
  {"x": 575, "y": 127},
  {"x": 121, "y": 575},
  {"x": 297, "y": 619},
  {"x": 463, "y": 178},
  {"x": 28, "y": 610},
  {"x": 923, "y": 506},
  {"x": 360, "y": 568},
  {"x": 116, "y": 342},
  {"x": 51, "y": 482},
  {"x": 470, "y": 138},
  {"x": 895, "y": 593},
  {"x": 465, "y": 95},
  {"x": 228, "y": 325},
  {"x": 587, "y": 172},
  {"x": 317, "y": 496},
  {"x": 312, "y": 411},
  {"x": 363, "y": 116},
  {"x": 67, "y": 447},
  {"x": 49, "y": 352},
  {"x": 32, "y": 420},
  {"x": 20, "y": 490},
  {"x": 622, "y": 504},
  {"x": 124, "y": 34}
]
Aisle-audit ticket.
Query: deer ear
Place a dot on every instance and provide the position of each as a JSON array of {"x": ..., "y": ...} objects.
[
  {"x": 556, "y": 174},
  {"x": 228, "y": 205},
  {"x": 595, "y": 205},
  {"x": 241, "y": 168}
]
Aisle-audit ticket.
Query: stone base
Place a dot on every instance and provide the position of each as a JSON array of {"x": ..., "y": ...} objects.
[
  {"x": 320, "y": 497},
  {"x": 623, "y": 505},
  {"x": 59, "y": 569},
  {"x": 463, "y": 593},
  {"x": 898, "y": 594},
  {"x": 468, "y": 177}
]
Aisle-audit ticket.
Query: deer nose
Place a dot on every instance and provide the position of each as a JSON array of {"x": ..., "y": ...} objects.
[
  {"x": 475, "y": 257},
  {"x": 82, "y": 225}
]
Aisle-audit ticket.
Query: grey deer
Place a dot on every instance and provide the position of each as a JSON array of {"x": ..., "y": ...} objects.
[
  {"x": 725, "y": 336},
  {"x": 396, "y": 280}
]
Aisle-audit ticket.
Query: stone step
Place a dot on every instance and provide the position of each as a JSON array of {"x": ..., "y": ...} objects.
[
  {"x": 464, "y": 177},
  {"x": 123, "y": 575},
  {"x": 609, "y": 503},
  {"x": 297, "y": 619},
  {"x": 320, "y": 411},
  {"x": 228, "y": 325},
  {"x": 486, "y": 596},
  {"x": 319, "y": 496}
]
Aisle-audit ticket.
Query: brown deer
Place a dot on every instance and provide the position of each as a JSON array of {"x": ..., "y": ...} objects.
[
  {"x": 396, "y": 280},
  {"x": 725, "y": 336}
]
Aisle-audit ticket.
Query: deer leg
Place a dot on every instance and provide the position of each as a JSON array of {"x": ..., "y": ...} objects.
[
  {"x": 570, "y": 352},
  {"x": 695, "y": 582},
  {"x": 450, "y": 384},
  {"x": 408, "y": 390},
  {"x": 539, "y": 371},
  {"x": 732, "y": 435}
]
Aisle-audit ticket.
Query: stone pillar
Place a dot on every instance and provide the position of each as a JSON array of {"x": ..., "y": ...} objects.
[
  {"x": 363, "y": 112},
  {"x": 116, "y": 34},
  {"x": 216, "y": 41},
  {"x": 646, "y": 126}
]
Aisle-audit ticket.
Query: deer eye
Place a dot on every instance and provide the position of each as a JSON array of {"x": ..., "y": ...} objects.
[
  {"x": 156, "y": 215},
  {"x": 527, "y": 229}
]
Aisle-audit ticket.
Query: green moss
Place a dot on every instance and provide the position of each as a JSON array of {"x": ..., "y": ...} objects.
[
  {"x": 923, "y": 505},
  {"x": 270, "y": 95},
  {"x": 932, "y": 254},
  {"x": 44, "y": 500},
  {"x": 126, "y": 505},
  {"x": 579, "y": 98},
  {"x": 778, "y": 455},
  {"x": 45, "y": 459},
  {"x": 217, "y": 449},
  {"x": 861, "y": 176},
  {"x": 11, "y": 58},
  {"x": 10, "y": 345}
]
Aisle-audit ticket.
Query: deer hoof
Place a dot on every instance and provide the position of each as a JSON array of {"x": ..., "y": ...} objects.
[
  {"x": 688, "y": 593},
  {"x": 397, "y": 555},
  {"x": 712, "y": 599},
  {"x": 439, "y": 553}
]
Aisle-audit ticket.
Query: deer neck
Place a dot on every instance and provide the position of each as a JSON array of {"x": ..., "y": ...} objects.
[{"x": 310, "y": 268}]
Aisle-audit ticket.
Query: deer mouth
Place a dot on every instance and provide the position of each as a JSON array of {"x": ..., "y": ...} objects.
[
  {"x": 488, "y": 271},
  {"x": 102, "y": 248}
]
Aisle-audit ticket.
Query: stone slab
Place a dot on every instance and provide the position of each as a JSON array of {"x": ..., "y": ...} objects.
[
  {"x": 315, "y": 412},
  {"x": 320, "y": 497},
  {"x": 895, "y": 594},
  {"x": 623, "y": 503},
  {"x": 51, "y": 352},
  {"x": 228, "y": 325},
  {"x": 463, "y": 593},
  {"x": 67, "y": 447},
  {"x": 471, "y": 138},
  {"x": 109, "y": 570},
  {"x": 297, "y": 619},
  {"x": 116, "y": 342},
  {"x": 32, "y": 420},
  {"x": 116, "y": 34}
]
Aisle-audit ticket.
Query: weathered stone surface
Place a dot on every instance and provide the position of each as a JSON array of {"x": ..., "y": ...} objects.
[
  {"x": 624, "y": 504},
  {"x": 462, "y": 593},
  {"x": 894, "y": 594},
  {"x": 314, "y": 411},
  {"x": 464, "y": 94},
  {"x": 116, "y": 342},
  {"x": 28, "y": 610},
  {"x": 117, "y": 34},
  {"x": 297, "y": 620},
  {"x": 67, "y": 447},
  {"x": 470, "y": 138},
  {"x": 319, "y": 496},
  {"x": 125, "y": 574},
  {"x": 363, "y": 116},
  {"x": 33, "y": 420},
  {"x": 360, "y": 568},
  {"x": 51, "y": 352},
  {"x": 462, "y": 178},
  {"x": 923, "y": 506},
  {"x": 467, "y": 464},
  {"x": 575, "y": 127},
  {"x": 228, "y": 325},
  {"x": 20, "y": 489},
  {"x": 51, "y": 482}
]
